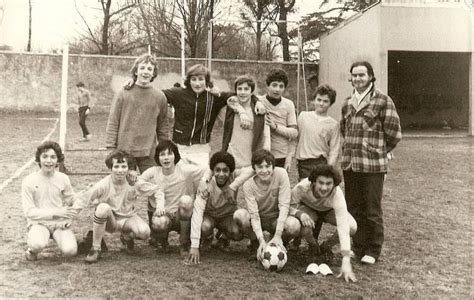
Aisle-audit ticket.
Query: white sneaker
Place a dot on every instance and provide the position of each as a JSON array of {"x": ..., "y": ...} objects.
[
  {"x": 30, "y": 255},
  {"x": 367, "y": 259}
]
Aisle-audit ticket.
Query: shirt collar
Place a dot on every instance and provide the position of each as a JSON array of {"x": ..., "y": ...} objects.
[{"x": 361, "y": 96}]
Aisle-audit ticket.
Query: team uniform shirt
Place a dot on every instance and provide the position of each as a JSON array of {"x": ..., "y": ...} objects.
[
  {"x": 269, "y": 203},
  {"x": 166, "y": 190},
  {"x": 138, "y": 117},
  {"x": 40, "y": 194},
  {"x": 284, "y": 116},
  {"x": 120, "y": 198},
  {"x": 215, "y": 204},
  {"x": 370, "y": 130},
  {"x": 318, "y": 136},
  {"x": 302, "y": 194}
]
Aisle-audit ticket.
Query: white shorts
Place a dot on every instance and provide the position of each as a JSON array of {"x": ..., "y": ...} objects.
[{"x": 197, "y": 154}]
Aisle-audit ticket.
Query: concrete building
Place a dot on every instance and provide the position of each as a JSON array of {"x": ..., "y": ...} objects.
[{"x": 421, "y": 51}]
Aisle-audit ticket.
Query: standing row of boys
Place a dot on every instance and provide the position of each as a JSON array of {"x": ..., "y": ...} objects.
[{"x": 193, "y": 195}]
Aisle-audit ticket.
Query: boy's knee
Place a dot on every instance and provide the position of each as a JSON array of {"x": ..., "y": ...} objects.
[
  {"x": 37, "y": 245},
  {"x": 207, "y": 228},
  {"x": 186, "y": 206},
  {"x": 352, "y": 227},
  {"x": 235, "y": 233},
  {"x": 160, "y": 224},
  {"x": 242, "y": 217},
  {"x": 143, "y": 233},
  {"x": 69, "y": 250},
  {"x": 292, "y": 226},
  {"x": 103, "y": 210}
]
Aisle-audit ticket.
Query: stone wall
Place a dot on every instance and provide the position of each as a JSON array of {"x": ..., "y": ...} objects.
[{"x": 33, "y": 81}]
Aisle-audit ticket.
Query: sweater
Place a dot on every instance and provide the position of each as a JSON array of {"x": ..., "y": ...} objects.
[
  {"x": 120, "y": 198},
  {"x": 41, "y": 194},
  {"x": 137, "y": 118}
]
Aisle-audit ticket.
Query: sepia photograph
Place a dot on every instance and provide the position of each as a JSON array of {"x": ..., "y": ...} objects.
[{"x": 228, "y": 149}]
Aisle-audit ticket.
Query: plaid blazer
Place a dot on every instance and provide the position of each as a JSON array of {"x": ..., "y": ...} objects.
[{"x": 370, "y": 130}]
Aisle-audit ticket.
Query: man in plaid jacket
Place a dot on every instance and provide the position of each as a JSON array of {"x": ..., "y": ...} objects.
[{"x": 371, "y": 129}]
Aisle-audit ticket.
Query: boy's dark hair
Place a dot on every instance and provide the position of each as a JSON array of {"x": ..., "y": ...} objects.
[
  {"x": 144, "y": 58},
  {"x": 80, "y": 84},
  {"x": 262, "y": 155},
  {"x": 120, "y": 156},
  {"x": 195, "y": 70},
  {"x": 326, "y": 89},
  {"x": 277, "y": 75},
  {"x": 244, "y": 79},
  {"x": 177, "y": 84},
  {"x": 326, "y": 171},
  {"x": 170, "y": 146},
  {"x": 222, "y": 157},
  {"x": 45, "y": 147},
  {"x": 367, "y": 65}
]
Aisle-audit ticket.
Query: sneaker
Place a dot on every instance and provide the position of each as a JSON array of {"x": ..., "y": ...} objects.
[
  {"x": 85, "y": 245},
  {"x": 30, "y": 255},
  {"x": 93, "y": 256},
  {"x": 367, "y": 259},
  {"x": 128, "y": 243},
  {"x": 294, "y": 245}
]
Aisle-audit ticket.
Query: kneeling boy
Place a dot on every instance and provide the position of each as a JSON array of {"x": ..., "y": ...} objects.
[
  {"x": 115, "y": 211},
  {"x": 171, "y": 188},
  {"x": 267, "y": 195},
  {"x": 216, "y": 207},
  {"x": 319, "y": 198},
  {"x": 47, "y": 197}
]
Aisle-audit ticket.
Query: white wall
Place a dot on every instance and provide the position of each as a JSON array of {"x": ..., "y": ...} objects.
[{"x": 359, "y": 39}]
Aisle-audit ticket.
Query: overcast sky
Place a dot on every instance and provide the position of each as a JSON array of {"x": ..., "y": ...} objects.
[{"x": 56, "y": 21}]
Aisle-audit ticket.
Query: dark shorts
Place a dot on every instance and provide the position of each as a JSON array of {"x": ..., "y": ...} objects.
[{"x": 305, "y": 166}]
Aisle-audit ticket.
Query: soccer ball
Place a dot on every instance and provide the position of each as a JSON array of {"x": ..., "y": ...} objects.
[{"x": 273, "y": 258}]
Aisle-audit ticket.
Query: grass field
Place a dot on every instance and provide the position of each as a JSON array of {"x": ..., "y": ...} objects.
[{"x": 427, "y": 251}]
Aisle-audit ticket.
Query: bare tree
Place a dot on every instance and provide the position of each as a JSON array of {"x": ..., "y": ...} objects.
[
  {"x": 111, "y": 34},
  {"x": 254, "y": 12},
  {"x": 284, "y": 7},
  {"x": 157, "y": 20},
  {"x": 196, "y": 15}
]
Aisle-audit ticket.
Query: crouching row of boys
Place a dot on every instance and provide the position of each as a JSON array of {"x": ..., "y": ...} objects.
[{"x": 270, "y": 204}]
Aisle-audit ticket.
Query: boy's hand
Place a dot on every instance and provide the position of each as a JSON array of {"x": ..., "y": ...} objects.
[
  {"x": 287, "y": 165},
  {"x": 261, "y": 248},
  {"x": 87, "y": 111},
  {"x": 346, "y": 270},
  {"x": 260, "y": 108},
  {"x": 193, "y": 256},
  {"x": 306, "y": 220},
  {"x": 203, "y": 188},
  {"x": 245, "y": 122},
  {"x": 129, "y": 84},
  {"x": 269, "y": 121},
  {"x": 214, "y": 90},
  {"x": 132, "y": 177},
  {"x": 159, "y": 212}
]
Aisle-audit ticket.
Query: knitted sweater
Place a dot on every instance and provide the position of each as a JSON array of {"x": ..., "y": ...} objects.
[{"x": 137, "y": 118}]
